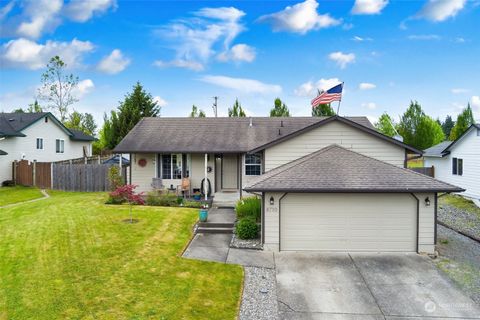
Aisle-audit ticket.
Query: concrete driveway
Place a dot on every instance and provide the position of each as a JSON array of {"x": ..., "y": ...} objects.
[{"x": 366, "y": 286}]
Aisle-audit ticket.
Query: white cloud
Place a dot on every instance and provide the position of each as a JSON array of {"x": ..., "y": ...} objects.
[
  {"x": 209, "y": 33},
  {"x": 242, "y": 85},
  {"x": 369, "y": 105},
  {"x": 475, "y": 103},
  {"x": 84, "y": 87},
  {"x": 441, "y": 10},
  {"x": 5, "y": 10},
  {"x": 369, "y": 6},
  {"x": 299, "y": 18},
  {"x": 342, "y": 59},
  {"x": 424, "y": 37},
  {"x": 179, "y": 63},
  {"x": 361, "y": 39},
  {"x": 115, "y": 62},
  {"x": 366, "y": 86},
  {"x": 24, "y": 53},
  {"x": 347, "y": 26},
  {"x": 239, "y": 52},
  {"x": 160, "y": 101},
  {"x": 459, "y": 90},
  {"x": 84, "y": 10},
  {"x": 310, "y": 89},
  {"x": 40, "y": 16}
]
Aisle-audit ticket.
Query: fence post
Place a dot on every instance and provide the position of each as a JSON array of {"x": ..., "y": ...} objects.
[
  {"x": 433, "y": 171},
  {"x": 14, "y": 172},
  {"x": 34, "y": 173},
  {"x": 51, "y": 175}
]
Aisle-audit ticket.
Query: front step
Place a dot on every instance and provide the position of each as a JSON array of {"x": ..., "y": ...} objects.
[
  {"x": 215, "y": 225},
  {"x": 213, "y": 230}
]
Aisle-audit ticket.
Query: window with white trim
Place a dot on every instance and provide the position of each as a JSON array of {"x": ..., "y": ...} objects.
[
  {"x": 59, "y": 146},
  {"x": 39, "y": 143},
  {"x": 171, "y": 166},
  {"x": 457, "y": 166},
  {"x": 253, "y": 164}
]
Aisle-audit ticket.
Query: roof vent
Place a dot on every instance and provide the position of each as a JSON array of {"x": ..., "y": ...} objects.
[
  {"x": 279, "y": 132},
  {"x": 281, "y": 123},
  {"x": 251, "y": 122},
  {"x": 11, "y": 119}
]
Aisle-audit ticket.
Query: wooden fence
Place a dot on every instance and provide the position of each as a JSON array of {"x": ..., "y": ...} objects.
[
  {"x": 67, "y": 177},
  {"x": 428, "y": 171}
]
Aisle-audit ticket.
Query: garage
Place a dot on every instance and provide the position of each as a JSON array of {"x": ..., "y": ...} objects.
[{"x": 348, "y": 222}]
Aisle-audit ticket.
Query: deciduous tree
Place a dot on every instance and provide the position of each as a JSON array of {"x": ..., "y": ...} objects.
[
  {"x": 279, "y": 109},
  {"x": 386, "y": 125},
  {"x": 236, "y": 110},
  {"x": 197, "y": 113},
  {"x": 322, "y": 110}
]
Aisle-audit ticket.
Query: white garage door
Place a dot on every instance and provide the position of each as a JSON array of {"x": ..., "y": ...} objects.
[{"x": 348, "y": 222}]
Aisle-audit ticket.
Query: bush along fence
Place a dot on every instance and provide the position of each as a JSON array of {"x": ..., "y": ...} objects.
[{"x": 88, "y": 177}]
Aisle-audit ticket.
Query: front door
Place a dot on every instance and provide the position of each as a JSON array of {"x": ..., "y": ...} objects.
[{"x": 229, "y": 171}]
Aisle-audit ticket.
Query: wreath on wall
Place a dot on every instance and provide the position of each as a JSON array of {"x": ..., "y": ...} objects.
[{"x": 142, "y": 162}]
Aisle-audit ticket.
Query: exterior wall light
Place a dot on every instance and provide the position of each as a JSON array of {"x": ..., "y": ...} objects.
[
  {"x": 272, "y": 201},
  {"x": 427, "y": 202}
]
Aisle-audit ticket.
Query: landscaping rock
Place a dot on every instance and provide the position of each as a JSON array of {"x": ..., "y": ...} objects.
[
  {"x": 259, "y": 300},
  {"x": 246, "y": 244},
  {"x": 461, "y": 220}
]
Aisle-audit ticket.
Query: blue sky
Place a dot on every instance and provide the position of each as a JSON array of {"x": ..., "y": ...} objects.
[{"x": 186, "y": 52}]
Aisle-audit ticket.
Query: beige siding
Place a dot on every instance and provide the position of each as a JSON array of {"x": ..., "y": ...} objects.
[
  {"x": 350, "y": 222},
  {"x": 142, "y": 176},
  {"x": 333, "y": 133},
  {"x": 198, "y": 170}
]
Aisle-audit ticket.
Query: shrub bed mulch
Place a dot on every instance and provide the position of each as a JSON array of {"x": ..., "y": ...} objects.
[
  {"x": 460, "y": 220},
  {"x": 238, "y": 243}
]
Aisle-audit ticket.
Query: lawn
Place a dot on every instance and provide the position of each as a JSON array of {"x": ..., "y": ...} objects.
[
  {"x": 415, "y": 163},
  {"x": 10, "y": 195},
  {"x": 460, "y": 203},
  {"x": 73, "y": 257}
]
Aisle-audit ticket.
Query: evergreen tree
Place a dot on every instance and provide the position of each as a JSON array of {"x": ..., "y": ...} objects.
[
  {"x": 464, "y": 121},
  {"x": 322, "y": 110},
  {"x": 197, "y": 113},
  {"x": 447, "y": 126},
  {"x": 83, "y": 122},
  {"x": 386, "y": 125},
  {"x": 279, "y": 109},
  {"x": 132, "y": 109},
  {"x": 236, "y": 110}
]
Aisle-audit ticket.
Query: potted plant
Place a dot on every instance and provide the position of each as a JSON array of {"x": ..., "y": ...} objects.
[
  {"x": 203, "y": 213},
  {"x": 197, "y": 196}
]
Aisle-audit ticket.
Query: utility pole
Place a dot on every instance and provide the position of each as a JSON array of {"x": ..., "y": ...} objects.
[{"x": 214, "y": 107}]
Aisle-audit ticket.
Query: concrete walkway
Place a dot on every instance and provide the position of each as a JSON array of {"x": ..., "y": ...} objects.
[
  {"x": 225, "y": 198},
  {"x": 216, "y": 247},
  {"x": 221, "y": 215},
  {"x": 45, "y": 196}
]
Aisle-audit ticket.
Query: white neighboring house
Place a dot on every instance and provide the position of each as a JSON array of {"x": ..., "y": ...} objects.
[
  {"x": 458, "y": 162},
  {"x": 38, "y": 136}
]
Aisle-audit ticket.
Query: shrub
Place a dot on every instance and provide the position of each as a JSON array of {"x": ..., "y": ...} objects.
[
  {"x": 8, "y": 183},
  {"x": 124, "y": 194},
  {"x": 114, "y": 177},
  {"x": 193, "y": 204},
  {"x": 164, "y": 200},
  {"x": 247, "y": 228},
  {"x": 249, "y": 207}
]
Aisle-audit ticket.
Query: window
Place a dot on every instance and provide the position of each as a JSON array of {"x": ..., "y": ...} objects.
[
  {"x": 39, "y": 143},
  {"x": 59, "y": 146},
  {"x": 253, "y": 164},
  {"x": 171, "y": 166},
  {"x": 457, "y": 166}
]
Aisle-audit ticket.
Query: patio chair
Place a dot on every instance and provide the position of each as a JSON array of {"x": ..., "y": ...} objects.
[
  {"x": 184, "y": 188},
  {"x": 157, "y": 184}
]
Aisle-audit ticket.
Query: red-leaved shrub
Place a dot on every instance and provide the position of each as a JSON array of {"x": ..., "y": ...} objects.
[{"x": 124, "y": 194}]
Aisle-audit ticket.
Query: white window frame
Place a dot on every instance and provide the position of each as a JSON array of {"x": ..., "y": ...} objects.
[
  {"x": 41, "y": 144},
  {"x": 259, "y": 165},
  {"x": 171, "y": 171},
  {"x": 59, "y": 146}
]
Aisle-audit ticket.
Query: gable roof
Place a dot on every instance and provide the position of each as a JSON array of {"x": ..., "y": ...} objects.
[
  {"x": 444, "y": 148},
  {"x": 12, "y": 124},
  {"x": 226, "y": 135},
  {"x": 336, "y": 169}
]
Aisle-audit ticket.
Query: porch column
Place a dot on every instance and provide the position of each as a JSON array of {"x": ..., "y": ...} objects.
[{"x": 205, "y": 182}]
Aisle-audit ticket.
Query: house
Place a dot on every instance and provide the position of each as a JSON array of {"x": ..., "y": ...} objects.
[
  {"x": 326, "y": 183},
  {"x": 38, "y": 136},
  {"x": 458, "y": 162}
]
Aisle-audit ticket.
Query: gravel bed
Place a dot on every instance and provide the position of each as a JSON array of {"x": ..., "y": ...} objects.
[
  {"x": 259, "y": 300},
  {"x": 462, "y": 220},
  {"x": 459, "y": 258},
  {"x": 246, "y": 244}
]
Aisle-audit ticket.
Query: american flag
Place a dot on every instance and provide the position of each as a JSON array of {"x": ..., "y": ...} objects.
[{"x": 332, "y": 94}]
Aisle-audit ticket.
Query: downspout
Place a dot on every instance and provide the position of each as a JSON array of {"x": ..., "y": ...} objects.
[
  {"x": 435, "y": 202},
  {"x": 418, "y": 217},
  {"x": 280, "y": 220}
]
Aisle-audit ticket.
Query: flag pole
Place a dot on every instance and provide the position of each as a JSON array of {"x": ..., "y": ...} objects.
[{"x": 339, "y": 101}]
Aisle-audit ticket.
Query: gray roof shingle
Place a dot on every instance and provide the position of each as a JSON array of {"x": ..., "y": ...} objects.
[
  {"x": 336, "y": 169},
  {"x": 437, "y": 150},
  {"x": 3, "y": 153},
  {"x": 222, "y": 135}
]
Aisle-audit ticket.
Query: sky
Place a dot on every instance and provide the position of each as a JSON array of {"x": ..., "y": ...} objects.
[{"x": 186, "y": 52}]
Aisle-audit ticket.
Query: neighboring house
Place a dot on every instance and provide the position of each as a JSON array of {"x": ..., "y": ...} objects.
[
  {"x": 326, "y": 183},
  {"x": 458, "y": 162},
  {"x": 38, "y": 136}
]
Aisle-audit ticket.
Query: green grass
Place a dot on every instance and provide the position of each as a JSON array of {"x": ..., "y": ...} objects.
[
  {"x": 10, "y": 195},
  {"x": 72, "y": 257},
  {"x": 460, "y": 203},
  {"x": 463, "y": 273},
  {"x": 415, "y": 163}
]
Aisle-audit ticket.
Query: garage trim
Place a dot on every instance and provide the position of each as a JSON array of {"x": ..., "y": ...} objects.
[
  {"x": 280, "y": 221},
  {"x": 418, "y": 218}
]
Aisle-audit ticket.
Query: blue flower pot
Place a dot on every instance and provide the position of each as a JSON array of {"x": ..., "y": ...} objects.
[
  {"x": 203, "y": 215},
  {"x": 197, "y": 197}
]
